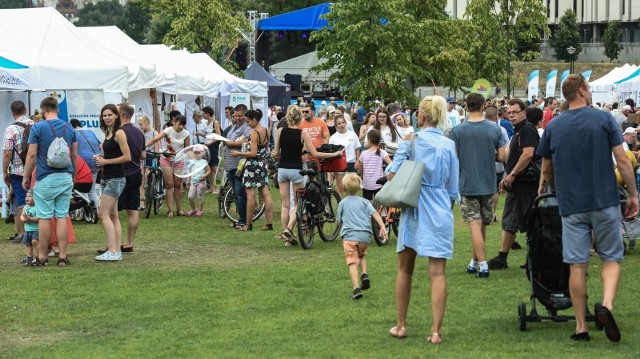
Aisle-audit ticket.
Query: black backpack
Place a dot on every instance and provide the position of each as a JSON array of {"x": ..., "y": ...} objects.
[{"x": 26, "y": 130}]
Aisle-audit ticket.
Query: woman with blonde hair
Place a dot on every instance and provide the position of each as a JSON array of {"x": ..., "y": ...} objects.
[{"x": 427, "y": 231}]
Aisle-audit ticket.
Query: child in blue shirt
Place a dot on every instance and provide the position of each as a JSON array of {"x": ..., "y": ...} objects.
[
  {"x": 30, "y": 218},
  {"x": 198, "y": 180},
  {"x": 354, "y": 216}
]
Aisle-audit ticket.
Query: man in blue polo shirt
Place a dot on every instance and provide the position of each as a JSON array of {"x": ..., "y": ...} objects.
[{"x": 585, "y": 184}]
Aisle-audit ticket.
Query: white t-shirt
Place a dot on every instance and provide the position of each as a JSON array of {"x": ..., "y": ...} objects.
[
  {"x": 403, "y": 132},
  {"x": 454, "y": 118},
  {"x": 386, "y": 136},
  {"x": 350, "y": 142},
  {"x": 175, "y": 140}
]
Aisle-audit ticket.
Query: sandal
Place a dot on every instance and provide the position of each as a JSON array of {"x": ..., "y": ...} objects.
[
  {"x": 170, "y": 214},
  {"x": 247, "y": 227},
  {"x": 430, "y": 338},
  {"x": 398, "y": 332},
  {"x": 63, "y": 262},
  {"x": 37, "y": 263},
  {"x": 287, "y": 232},
  {"x": 290, "y": 243},
  {"x": 181, "y": 214},
  {"x": 268, "y": 227},
  {"x": 281, "y": 236}
]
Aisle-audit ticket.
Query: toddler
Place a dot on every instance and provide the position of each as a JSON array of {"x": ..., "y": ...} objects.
[
  {"x": 354, "y": 216},
  {"x": 30, "y": 218},
  {"x": 198, "y": 181}
]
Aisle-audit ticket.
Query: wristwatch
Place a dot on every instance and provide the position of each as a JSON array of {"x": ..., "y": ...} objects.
[{"x": 513, "y": 173}]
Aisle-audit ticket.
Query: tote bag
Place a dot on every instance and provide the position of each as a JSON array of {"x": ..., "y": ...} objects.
[{"x": 404, "y": 190}]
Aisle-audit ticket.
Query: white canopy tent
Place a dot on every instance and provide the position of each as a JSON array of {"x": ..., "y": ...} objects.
[
  {"x": 617, "y": 85},
  {"x": 607, "y": 82}
]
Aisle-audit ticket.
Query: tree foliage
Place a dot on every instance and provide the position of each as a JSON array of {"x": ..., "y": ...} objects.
[
  {"x": 102, "y": 13},
  {"x": 380, "y": 47},
  {"x": 611, "y": 40},
  {"x": 567, "y": 35},
  {"x": 200, "y": 26}
]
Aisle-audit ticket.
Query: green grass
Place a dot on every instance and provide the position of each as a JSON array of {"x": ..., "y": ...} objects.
[{"x": 195, "y": 288}]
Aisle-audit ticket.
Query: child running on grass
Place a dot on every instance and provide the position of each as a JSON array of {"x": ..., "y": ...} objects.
[
  {"x": 198, "y": 181},
  {"x": 354, "y": 216},
  {"x": 29, "y": 217}
]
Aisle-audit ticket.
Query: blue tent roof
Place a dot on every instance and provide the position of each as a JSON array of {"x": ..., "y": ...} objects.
[
  {"x": 8, "y": 64},
  {"x": 303, "y": 19}
]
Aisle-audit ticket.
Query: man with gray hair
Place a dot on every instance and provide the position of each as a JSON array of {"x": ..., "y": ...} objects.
[{"x": 199, "y": 131}]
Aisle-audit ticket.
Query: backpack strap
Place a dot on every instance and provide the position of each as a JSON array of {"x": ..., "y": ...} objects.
[
  {"x": 86, "y": 139},
  {"x": 24, "y": 128}
]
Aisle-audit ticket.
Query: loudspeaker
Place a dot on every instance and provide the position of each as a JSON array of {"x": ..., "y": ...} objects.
[{"x": 293, "y": 80}]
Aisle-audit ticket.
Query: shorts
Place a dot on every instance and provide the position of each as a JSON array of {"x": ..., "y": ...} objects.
[
  {"x": 499, "y": 176},
  {"x": 166, "y": 161},
  {"x": 369, "y": 193},
  {"x": 19, "y": 192},
  {"x": 290, "y": 175},
  {"x": 112, "y": 187},
  {"x": 130, "y": 197},
  {"x": 197, "y": 190},
  {"x": 576, "y": 235},
  {"x": 351, "y": 167},
  {"x": 354, "y": 251},
  {"x": 474, "y": 208},
  {"x": 213, "y": 155},
  {"x": 517, "y": 206},
  {"x": 52, "y": 195},
  {"x": 29, "y": 237}
]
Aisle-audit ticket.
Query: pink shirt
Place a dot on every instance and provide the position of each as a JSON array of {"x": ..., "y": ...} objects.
[{"x": 372, "y": 169}]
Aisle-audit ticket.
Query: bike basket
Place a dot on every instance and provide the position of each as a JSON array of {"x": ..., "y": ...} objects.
[
  {"x": 316, "y": 199},
  {"x": 336, "y": 164}
]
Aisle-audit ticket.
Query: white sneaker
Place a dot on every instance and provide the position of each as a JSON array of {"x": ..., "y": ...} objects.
[{"x": 108, "y": 256}]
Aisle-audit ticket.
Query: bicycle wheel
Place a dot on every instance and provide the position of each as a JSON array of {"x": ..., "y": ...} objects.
[
  {"x": 259, "y": 209},
  {"x": 148, "y": 194},
  {"x": 328, "y": 227},
  {"x": 230, "y": 209},
  {"x": 306, "y": 224},
  {"x": 221, "y": 201},
  {"x": 376, "y": 232},
  {"x": 396, "y": 221},
  {"x": 158, "y": 193}
]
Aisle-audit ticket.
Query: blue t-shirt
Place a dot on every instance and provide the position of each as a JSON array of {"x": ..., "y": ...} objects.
[
  {"x": 579, "y": 143},
  {"x": 476, "y": 144},
  {"x": 355, "y": 214},
  {"x": 361, "y": 114},
  {"x": 30, "y": 212},
  {"x": 506, "y": 124},
  {"x": 42, "y": 135},
  {"x": 88, "y": 146}
]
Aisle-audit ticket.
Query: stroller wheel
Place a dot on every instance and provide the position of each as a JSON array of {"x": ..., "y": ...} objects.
[{"x": 522, "y": 317}]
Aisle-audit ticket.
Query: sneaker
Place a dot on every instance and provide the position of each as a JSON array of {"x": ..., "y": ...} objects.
[
  {"x": 497, "y": 263},
  {"x": 26, "y": 260},
  {"x": 365, "y": 283},
  {"x": 516, "y": 246},
  {"x": 483, "y": 274},
  {"x": 17, "y": 238},
  {"x": 191, "y": 213},
  {"x": 472, "y": 270},
  {"x": 10, "y": 238},
  {"x": 108, "y": 256},
  {"x": 357, "y": 294}
]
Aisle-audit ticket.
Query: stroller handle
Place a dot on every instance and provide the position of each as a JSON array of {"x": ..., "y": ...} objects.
[{"x": 536, "y": 202}]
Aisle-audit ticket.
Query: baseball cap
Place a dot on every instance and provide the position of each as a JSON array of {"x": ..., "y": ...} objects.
[
  {"x": 450, "y": 99},
  {"x": 626, "y": 107},
  {"x": 331, "y": 109},
  {"x": 630, "y": 130}
]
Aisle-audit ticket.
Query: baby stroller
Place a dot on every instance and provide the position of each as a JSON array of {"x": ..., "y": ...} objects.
[
  {"x": 630, "y": 227},
  {"x": 548, "y": 274},
  {"x": 81, "y": 208}
]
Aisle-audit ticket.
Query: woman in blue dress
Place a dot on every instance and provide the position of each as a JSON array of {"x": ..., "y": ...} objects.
[{"x": 427, "y": 231}]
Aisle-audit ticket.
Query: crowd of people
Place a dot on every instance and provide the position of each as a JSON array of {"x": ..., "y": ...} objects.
[{"x": 472, "y": 154}]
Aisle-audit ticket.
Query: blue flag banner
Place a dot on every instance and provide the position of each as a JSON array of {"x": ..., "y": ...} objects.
[
  {"x": 534, "y": 78},
  {"x": 587, "y": 75},
  {"x": 563, "y": 77},
  {"x": 552, "y": 78}
]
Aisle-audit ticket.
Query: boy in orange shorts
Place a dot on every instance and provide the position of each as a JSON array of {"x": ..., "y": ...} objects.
[{"x": 354, "y": 216}]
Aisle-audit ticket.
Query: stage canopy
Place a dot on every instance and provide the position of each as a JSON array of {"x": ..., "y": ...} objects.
[
  {"x": 303, "y": 19},
  {"x": 278, "y": 90}
]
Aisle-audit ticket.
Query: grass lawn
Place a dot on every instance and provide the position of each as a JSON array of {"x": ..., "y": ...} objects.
[{"x": 195, "y": 288}]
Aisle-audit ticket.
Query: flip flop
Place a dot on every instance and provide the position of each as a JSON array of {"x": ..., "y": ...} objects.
[
  {"x": 398, "y": 332},
  {"x": 433, "y": 335},
  {"x": 605, "y": 318}
]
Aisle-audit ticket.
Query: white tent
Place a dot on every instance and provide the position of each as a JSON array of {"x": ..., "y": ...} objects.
[
  {"x": 300, "y": 66},
  {"x": 607, "y": 82}
]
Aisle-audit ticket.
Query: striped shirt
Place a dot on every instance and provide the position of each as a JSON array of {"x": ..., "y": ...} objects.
[
  {"x": 372, "y": 169},
  {"x": 13, "y": 140}
]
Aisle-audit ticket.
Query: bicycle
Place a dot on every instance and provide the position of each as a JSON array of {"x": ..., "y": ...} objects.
[
  {"x": 390, "y": 218},
  {"x": 154, "y": 191},
  {"x": 317, "y": 208}
]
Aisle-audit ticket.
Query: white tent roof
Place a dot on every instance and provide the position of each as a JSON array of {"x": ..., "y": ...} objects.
[
  {"x": 606, "y": 82},
  {"x": 60, "y": 57},
  {"x": 300, "y": 66}
]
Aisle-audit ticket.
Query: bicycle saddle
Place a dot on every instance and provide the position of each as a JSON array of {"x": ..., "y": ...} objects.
[
  {"x": 381, "y": 180},
  {"x": 308, "y": 172}
]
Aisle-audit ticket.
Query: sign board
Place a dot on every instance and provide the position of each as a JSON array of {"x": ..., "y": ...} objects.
[{"x": 240, "y": 98}]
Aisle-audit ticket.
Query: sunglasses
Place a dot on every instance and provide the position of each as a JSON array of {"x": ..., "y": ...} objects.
[{"x": 306, "y": 111}]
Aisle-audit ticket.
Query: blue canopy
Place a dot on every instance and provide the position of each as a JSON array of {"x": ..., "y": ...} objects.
[{"x": 303, "y": 19}]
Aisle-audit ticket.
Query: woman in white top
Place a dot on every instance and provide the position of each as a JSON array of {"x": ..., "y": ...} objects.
[
  {"x": 390, "y": 136},
  {"x": 349, "y": 140},
  {"x": 177, "y": 138},
  {"x": 403, "y": 127}
]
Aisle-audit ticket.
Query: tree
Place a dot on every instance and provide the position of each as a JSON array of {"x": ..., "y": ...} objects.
[
  {"x": 102, "y": 13},
  {"x": 386, "y": 45},
  {"x": 135, "y": 21},
  {"x": 12, "y": 4},
  {"x": 506, "y": 30},
  {"x": 567, "y": 35},
  {"x": 201, "y": 26},
  {"x": 611, "y": 40}
]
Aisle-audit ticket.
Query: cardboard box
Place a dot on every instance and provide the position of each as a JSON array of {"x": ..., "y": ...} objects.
[{"x": 634, "y": 117}]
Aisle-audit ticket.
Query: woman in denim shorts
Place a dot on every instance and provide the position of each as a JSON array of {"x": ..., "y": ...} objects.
[{"x": 115, "y": 153}]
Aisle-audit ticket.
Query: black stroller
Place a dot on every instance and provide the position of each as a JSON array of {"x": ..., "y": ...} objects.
[
  {"x": 81, "y": 208},
  {"x": 548, "y": 274}
]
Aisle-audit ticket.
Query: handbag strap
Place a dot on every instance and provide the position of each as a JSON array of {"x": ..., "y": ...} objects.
[
  {"x": 413, "y": 140},
  {"x": 90, "y": 145}
]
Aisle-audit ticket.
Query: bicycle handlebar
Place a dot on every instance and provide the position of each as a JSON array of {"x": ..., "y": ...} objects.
[{"x": 158, "y": 154}]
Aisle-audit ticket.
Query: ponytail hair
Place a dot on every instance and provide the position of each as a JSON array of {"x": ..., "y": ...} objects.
[{"x": 374, "y": 138}]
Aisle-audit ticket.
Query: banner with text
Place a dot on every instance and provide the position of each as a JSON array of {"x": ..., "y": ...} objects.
[
  {"x": 552, "y": 78},
  {"x": 534, "y": 79},
  {"x": 563, "y": 77}
]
